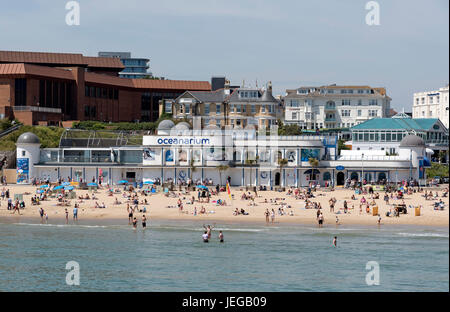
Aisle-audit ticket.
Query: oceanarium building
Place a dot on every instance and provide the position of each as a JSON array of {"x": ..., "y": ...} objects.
[{"x": 177, "y": 153}]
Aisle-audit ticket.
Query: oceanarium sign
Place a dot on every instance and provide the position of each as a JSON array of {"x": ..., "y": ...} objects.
[{"x": 183, "y": 140}]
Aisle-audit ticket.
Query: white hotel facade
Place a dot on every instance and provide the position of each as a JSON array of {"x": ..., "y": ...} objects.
[
  {"x": 334, "y": 106},
  {"x": 432, "y": 104}
]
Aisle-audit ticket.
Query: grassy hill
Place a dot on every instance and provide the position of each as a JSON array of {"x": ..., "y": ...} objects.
[{"x": 49, "y": 137}]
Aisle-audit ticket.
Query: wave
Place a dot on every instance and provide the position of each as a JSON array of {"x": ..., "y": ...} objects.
[
  {"x": 202, "y": 229},
  {"x": 423, "y": 235},
  {"x": 62, "y": 225}
]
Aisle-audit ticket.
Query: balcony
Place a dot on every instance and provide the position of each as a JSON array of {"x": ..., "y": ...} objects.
[
  {"x": 330, "y": 107},
  {"x": 330, "y": 119}
]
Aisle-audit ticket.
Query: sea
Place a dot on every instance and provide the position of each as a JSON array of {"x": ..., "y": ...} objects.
[{"x": 171, "y": 256}]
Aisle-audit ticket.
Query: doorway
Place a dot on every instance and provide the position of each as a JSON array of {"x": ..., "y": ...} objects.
[
  {"x": 277, "y": 179},
  {"x": 340, "y": 178}
]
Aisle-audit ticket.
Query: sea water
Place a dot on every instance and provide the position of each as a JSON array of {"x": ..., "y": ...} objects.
[{"x": 170, "y": 256}]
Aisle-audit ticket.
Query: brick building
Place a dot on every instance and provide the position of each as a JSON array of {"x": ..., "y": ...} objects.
[{"x": 47, "y": 88}]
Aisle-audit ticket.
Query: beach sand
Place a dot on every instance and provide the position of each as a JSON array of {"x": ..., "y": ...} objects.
[{"x": 158, "y": 203}]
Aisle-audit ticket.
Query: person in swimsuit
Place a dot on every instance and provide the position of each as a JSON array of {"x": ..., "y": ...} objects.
[
  {"x": 208, "y": 229},
  {"x": 67, "y": 216},
  {"x": 221, "y": 236},
  {"x": 130, "y": 214},
  {"x": 205, "y": 237},
  {"x": 135, "y": 222},
  {"x": 41, "y": 213},
  {"x": 75, "y": 212},
  {"x": 335, "y": 241},
  {"x": 144, "y": 221},
  {"x": 320, "y": 220},
  {"x": 273, "y": 216},
  {"x": 267, "y": 213}
]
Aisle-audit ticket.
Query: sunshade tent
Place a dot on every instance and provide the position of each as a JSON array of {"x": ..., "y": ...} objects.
[
  {"x": 123, "y": 182},
  {"x": 202, "y": 187},
  {"x": 65, "y": 183},
  {"x": 149, "y": 182},
  {"x": 68, "y": 188},
  {"x": 43, "y": 186},
  {"x": 40, "y": 191},
  {"x": 58, "y": 187},
  {"x": 92, "y": 184}
]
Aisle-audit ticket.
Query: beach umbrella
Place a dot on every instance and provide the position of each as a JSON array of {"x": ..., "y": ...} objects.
[
  {"x": 43, "y": 186},
  {"x": 58, "y": 187},
  {"x": 92, "y": 184},
  {"x": 65, "y": 183},
  {"x": 202, "y": 187},
  {"x": 40, "y": 191},
  {"x": 149, "y": 182},
  {"x": 68, "y": 188},
  {"x": 122, "y": 182}
]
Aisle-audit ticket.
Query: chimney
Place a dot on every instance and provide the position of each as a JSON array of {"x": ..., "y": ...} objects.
[{"x": 226, "y": 88}]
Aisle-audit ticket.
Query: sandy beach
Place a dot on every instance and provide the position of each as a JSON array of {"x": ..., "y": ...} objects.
[{"x": 161, "y": 207}]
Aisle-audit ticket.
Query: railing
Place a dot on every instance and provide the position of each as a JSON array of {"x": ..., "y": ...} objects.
[
  {"x": 330, "y": 107},
  {"x": 330, "y": 119},
  {"x": 9, "y": 130},
  {"x": 37, "y": 109},
  {"x": 372, "y": 157}
]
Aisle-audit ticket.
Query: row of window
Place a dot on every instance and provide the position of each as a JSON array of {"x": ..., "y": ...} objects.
[
  {"x": 104, "y": 93},
  {"x": 344, "y": 113},
  {"x": 345, "y": 102},
  {"x": 333, "y": 91}
]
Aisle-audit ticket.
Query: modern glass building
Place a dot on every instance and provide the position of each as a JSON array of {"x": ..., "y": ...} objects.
[{"x": 135, "y": 68}]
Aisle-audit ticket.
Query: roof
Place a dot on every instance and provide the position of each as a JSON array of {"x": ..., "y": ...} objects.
[
  {"x": 412, "y": 141},
  {"x": 28, "y": 138},
  {"x": 35, "y": 70},
  {"x": 51, "y": 72},
  {"x": 397, "y": 124},
  {"x": 60, "y": 59}
]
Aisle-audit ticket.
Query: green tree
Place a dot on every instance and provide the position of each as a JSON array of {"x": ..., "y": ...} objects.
[
  {"x": 342, "y": 146},
  {"x": 314, "y": 164},
  {"x": 222, "y": 168},
  {"x": 282, "y": 162}
]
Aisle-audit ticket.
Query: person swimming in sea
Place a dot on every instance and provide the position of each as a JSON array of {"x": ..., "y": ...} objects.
[
  {"x": 221, "y": 236},
  {"x": 208, "y": 229},
  {"x": 205, "y": 237}
]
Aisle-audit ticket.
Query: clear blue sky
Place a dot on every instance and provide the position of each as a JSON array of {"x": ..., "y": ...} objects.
[{"x": 289, "y": 42}]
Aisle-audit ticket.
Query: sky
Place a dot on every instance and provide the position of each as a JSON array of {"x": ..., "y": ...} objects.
[{"x": 292, "y": 43}]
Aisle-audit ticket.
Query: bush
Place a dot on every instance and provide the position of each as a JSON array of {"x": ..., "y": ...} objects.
[
  {"x": 49, "y": 137},
  {"x": 436, "y": 169}
]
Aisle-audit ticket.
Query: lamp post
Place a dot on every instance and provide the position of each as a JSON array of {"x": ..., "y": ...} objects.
[{"x": 362, "y": 169}]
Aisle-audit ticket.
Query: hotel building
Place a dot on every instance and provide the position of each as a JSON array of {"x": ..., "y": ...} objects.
[
  {"x": 432, "y": 104},
  {"x": 237, "y": 107},
  {"x": 135, "y": 68},
  {"x": 334, "y": 106},
  {"x": 47, "y": 88}
]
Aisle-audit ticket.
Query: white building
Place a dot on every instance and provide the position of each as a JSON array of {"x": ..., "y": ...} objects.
[
  {"x": 334, "y": 106},
  {"x": 432, "y": 104}
]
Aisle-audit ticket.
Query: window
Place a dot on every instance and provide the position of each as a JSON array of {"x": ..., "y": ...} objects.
[
  {"x": 373, "y": 113},
  {"x": 244, "y": 108},
  {"x": 359, "y": 102},
  {"x": 345, "y": 113},
  {"x": 360, "y": 91},
  {"x": 206, "y": 109},
  {"x": 253, "y": 108},
  {"x": 23, "y": 153},
  {"x": 346, "y": 102},
  {"x": 359, "y": 113},
  {"x": 308, "y": 115},
  {"x": 330, "y": 91},
  {"x": 373, "y": 102},
  {"x": 294, "y": 103},
  {"x": 217, "y": 108},
  {"x": 168, "y": 106},
  {"x": 263, "y": 108},
  {"x": 238, "y": 108},
  {"x": 186, "y": 108},
  {"x": 294, "y": 116}
]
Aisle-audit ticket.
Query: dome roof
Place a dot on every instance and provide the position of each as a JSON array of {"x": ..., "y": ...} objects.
[
  {"x": 28, "y": 138},
  {"x": 166, "y": 125},
  {"x": 412, "y": 141},
  {"x": 182, "y": 126}
]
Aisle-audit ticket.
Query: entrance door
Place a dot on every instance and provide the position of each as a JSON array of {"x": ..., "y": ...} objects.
[
  {"x": 277, "y": 179},
  {"x": 131, "y": 176},
  {"x": 340, "y": 178}
]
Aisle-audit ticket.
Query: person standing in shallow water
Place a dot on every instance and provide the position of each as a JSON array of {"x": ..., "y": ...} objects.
[
  {"x": 267, "y": 213},
  {"x": 221, "y": 236},
  {"x": 144, "y": 221},
  {"x": 335, "y": 241}
]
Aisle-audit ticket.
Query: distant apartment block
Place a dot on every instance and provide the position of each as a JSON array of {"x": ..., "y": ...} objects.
[
  {"x": 335, "y": 106},
  {"x": 432, "y": 104},
  {"x": 135, "y": 68}
]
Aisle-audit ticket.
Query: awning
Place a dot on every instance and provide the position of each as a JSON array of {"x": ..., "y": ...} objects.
[
  {"x": 429, "y": 151},
  {"x": 426, "y": 162},
  {"x": 312, "y": 171}
]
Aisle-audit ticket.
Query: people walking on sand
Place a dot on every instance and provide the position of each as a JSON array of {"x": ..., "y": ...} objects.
[
  {"x": 16, "y": 207},
  {"x": 335, "y": 241},
  {"x": 320, "y": 219},
  {"x": 144, "y": 221},
  {"x": 267, "y": 214},
  {"x": 221, "y": 237},
  {"x": 205, "y": 237},
  {"x": 75, "y": 212}
]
